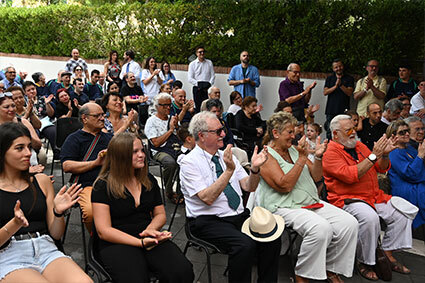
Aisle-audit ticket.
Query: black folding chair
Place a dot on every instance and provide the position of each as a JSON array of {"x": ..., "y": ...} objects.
[{"x": 151, "y": 163}]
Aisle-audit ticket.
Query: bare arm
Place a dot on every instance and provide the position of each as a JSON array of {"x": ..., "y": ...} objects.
[
  {"x": 78, "y": 167},
  {"x": 35, "y": 140}
]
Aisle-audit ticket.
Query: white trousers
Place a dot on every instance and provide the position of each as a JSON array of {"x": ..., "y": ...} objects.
[
  {"x": 329, "y": 240},
  {"x": 398, "y": 234}
]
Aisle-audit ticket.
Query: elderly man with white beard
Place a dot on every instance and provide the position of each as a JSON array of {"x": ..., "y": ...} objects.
[{"x": 350, "y": 171}]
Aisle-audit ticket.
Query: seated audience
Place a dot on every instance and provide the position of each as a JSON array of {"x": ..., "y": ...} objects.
[
  {"x": 287, "y": 188},
  {"x": 177, "y": 85},
  {"x": 418, "y": 102},
  {"x": 115, "y": 121},
  {"x": 392, "y": 111},
  {"x": 165, "y": 88},
  {"x": 215, "y": 106},
  {"x": 166, "y": 75},
  {"x": 24, "y": 106},
  {"x": 372, "y": 126},
  {"x": 249, "y": 123},
  {"x": 79, "y": 94},
  {"x": 235, "y": 102},
  {"x": 188, "y": 140},
  {"x": 182, "y": 108},
  {"x": 128, "y": 214},
  {"x": 65, "y": 106},
  {"x": 55, "y": 84},
  {"x": 65, "y": 83},
  {"x": 132, "y": 93},
  {"x": 212, "y": 183},
  {"x": 417, "y": 131},
  {"x": 31, "y": 216},
  {"x": 159, "y": 129},
  {"x": 40, "y": 83},
  {"x": 83, "y": 152},
  {"x": 407, "y": 172},
  {"x": 213, "y": 93},
  {"x": 350, "y": 171},
  {"x": 405, "y": 113},
  {"x": 92, "y": 89}
]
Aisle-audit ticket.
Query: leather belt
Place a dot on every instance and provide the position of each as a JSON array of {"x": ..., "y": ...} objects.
[{"x": 29, "y": 235}]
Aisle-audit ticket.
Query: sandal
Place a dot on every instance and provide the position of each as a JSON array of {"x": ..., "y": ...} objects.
[
  {"x": 366, "y": 271},
  {"x": 398, "y": 267},
  {"x": 333, "y": 278}
]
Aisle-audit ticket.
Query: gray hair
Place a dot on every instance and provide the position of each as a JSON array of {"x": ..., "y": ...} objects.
[
  {"x": 162, "y": 95},
  {"x": 211, "y": 89},
  {"x": 199, "y": 123},
  {"x": 412, "y": 119},
  {"x": 214, "y": 103},
  {"x": 335, "y": 123},
  {"x": 290, "y": 66},
  {"x": 84, "y": 110},
  {"x": 393, "y": 105}
]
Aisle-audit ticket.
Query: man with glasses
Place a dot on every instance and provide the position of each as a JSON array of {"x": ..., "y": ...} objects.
[
  {"x": 202, "y": 76},
  {"x": 83, "y": 152},
  {"x": 417, "y": 131},
  {"x": 418, "y": 102},
  {"x": 292, "y": 91},
  {"x": 212, "y": 182},
  {"x": 350, "y": 170},
  {"x": 373, "y": 127},
  {"x": 370, "y": 89},
  {"x": 10, "y": 79},
  {"x": 76, "y": 60},
  {"x": 216, "y": 106},
  {"x": 160, "y": 130}
]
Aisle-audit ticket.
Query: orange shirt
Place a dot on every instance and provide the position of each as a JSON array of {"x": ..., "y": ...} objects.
[{"x": 341, "y": 178}]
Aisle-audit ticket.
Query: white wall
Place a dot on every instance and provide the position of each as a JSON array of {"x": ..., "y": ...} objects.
[{"x": 267, "y": 93}]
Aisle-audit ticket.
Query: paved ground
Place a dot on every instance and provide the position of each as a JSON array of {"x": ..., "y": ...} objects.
[{"x": 73, "y": 247}]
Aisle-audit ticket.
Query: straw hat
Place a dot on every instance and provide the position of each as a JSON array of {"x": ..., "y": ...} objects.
[{"x": 263, "y": 226}]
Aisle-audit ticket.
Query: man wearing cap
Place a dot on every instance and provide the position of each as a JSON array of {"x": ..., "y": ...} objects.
[
  {"x": 350, "y": 171},
  {"x": 65, "y": 83},
  {"x": 212, "y": 182}
]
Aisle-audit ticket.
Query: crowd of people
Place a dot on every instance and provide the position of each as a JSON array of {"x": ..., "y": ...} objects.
[{"x": 222, "y": 159}]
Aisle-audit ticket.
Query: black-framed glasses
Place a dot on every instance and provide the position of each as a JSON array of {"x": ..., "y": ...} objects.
[
  {"x": 6, "y": 94},
  {"x": 201, "y": 52},
  {"x": 97, "y": 116},
  {"x": 420, "y": 129},
  {"x": 217, "y": 132},
  {"x": 403, "y": 132},
  {"x": 165, "y": 104}
]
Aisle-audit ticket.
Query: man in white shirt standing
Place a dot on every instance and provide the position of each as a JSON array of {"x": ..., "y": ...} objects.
[
  {"x": 130, "y": 66},
  {"x": 212, "y": 182},
  {"x": 201, "y": 75}
]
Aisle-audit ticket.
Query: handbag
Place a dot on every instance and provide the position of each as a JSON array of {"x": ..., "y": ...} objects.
[{"x": 383, "y": 264}]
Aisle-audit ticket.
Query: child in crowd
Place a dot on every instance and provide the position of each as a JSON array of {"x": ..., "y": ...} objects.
[
  {"x": 356, "y": 119},
  {"x": 313, "y": 131}
]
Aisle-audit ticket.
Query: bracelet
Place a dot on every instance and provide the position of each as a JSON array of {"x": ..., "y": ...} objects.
[
  {"x": 317, "y": 158},
  {"x": 57, "y": 214},
  {"x": 255, "y": 173},
  {"x": 143, "y": 245}
]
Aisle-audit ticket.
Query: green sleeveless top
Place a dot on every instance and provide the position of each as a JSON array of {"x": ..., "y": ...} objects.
[{"x": 304, "y": 193}]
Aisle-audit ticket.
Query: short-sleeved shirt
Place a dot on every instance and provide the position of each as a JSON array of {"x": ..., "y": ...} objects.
[
  {"x": 197, "y": 172},
  {"x": 155, "y": 127},
  {"x": 338, "y": 101},
  {"x": 288, "y": 89},
  {"x": 371, "y": 133},
  {"x": 125, "y": 216},
  {"x": 134, "y": 93},
  {"x": 93, "y": 91},
  {"x": 71, "y": 64},
  {"x": 152, "y": 88},
  {"x": 418, "y": 103},
  {"x": 175, "y": 110},
  {"x": 75, "y": 148},
  {"x": 380, "y": 83},
  {"x": 398, "y": 87}
]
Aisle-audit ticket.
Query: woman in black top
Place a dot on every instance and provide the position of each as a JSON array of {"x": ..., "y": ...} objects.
[
  {"x": 30, "y": 216},
  {"x": 128, "y": 215},
  {"x": 65, "y": 106}
]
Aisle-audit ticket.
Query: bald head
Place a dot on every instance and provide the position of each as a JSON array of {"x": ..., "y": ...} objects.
[
  {"x": 214, "y": 92},
  {"x": 75, "y": 54},
  {"x": 92, "y": 117}
]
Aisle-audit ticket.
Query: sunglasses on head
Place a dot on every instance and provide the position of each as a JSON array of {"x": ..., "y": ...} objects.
[{"x": 6, "y": 94}]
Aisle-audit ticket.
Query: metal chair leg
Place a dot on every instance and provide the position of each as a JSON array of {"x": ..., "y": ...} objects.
[
  {"x": 63, "y": 175},
  {"x": 68, "y": 217},
  {"x": 83, "y": 235},
  {"x": 162, "y": 183}
]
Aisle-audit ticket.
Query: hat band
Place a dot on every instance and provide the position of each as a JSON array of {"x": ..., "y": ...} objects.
[{"x": 260, "y": 235}]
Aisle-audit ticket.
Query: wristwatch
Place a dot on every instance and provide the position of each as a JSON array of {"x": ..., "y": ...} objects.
[{"x": 372, "y": 158}]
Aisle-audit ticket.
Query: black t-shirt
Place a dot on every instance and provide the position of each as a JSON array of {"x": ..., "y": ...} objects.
[
  {"x": 398, "y": 87},
  {"x": 370, "y": 134},
  {"x": 338, "y": 101},
  {"x": 124, "y": 215},
  {"x": 134, "y": 93},
  {"x": 62, "y": 109}
]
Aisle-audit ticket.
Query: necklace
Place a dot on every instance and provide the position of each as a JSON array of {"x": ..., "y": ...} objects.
[{"x": 17, "y": 189}]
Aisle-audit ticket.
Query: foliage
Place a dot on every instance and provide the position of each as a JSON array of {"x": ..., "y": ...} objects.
[{"x": 276, "y": 33}]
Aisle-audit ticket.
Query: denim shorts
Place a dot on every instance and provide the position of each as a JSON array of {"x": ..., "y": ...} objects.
[{"x": 35, "y": 253}]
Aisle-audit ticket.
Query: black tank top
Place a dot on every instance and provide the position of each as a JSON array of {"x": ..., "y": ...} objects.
[{"x": 36, "y": 216}]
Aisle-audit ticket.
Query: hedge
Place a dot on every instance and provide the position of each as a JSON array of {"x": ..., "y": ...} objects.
[{"x": 276, "y": 33}]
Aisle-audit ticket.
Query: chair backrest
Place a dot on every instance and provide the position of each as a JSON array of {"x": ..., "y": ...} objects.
[
  {"x": 230, "y": 119},
  {"x": 65, "y": 127}
]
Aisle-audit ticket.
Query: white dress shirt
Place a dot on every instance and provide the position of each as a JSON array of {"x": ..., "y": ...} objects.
[
  {"x": 133, "y": 68},
  {"x": 152, "y": 88},
  {"x": 418, "y": 103},
  {"x": 197, "y": 172},
  {"x": 201, "y": 72}
]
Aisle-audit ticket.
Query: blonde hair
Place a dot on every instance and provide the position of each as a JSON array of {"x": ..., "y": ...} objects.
[
  {"x": 278, "y": 121},
  {"x": 118, "y": 168}
]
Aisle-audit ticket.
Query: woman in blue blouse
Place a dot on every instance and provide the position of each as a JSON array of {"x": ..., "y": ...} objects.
[
  {"x": 407, "y": 173},
  {"x": 166, "y": 75}
]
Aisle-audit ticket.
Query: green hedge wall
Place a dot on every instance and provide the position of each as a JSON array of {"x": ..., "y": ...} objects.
[{"x": 276, "y": 33}]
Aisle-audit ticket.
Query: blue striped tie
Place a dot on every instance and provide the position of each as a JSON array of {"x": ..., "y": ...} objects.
[{"x": 232, "y": 197}]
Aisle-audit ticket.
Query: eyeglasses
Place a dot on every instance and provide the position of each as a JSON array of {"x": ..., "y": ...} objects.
[
  {"x": 217, "y": 132},
  {"x": 6, "y": 94},
  {"x": 403, "y": 132},
  {"x": 165, "y": 104},
  {"x": 78, "y": 69},
  {"x": 348, "y": 132},
  {"x": 97, "y": 116},
  {"x": 201, "y": 52},
  {"x": 406, "y": 104},
  {"x": 373, "y": 66},
  {"x": 420, "y": 129},
  {"x": 11, "y": 72}
]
